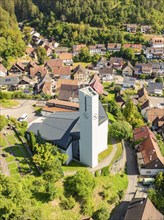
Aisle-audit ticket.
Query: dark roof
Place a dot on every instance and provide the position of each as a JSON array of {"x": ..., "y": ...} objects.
[
  {"x": 154, "y": 86},
  {"x": 59, "y": 127},
  {"x": 128, "y": 64},
  {"x": 142, "y": 209},
  {"x": 56, "y": 128},
  {"x": 145, "y": 104},
  {"x": 67, "y": 91}
]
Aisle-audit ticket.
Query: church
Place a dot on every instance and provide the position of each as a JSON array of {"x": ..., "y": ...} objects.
[{"x": 81, "y": 134}]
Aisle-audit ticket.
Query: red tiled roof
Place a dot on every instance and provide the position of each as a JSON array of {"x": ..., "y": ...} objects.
[
  {"x": 65, "y": 70},
  {"x": 29, "y": 50},
  {"x": 54, "y": 63},
  {"x": 142, "y": 132},
  {"x": 65, "y": 56},
  {"x": 153, "y": 113},
  {"x": 150, "y": 151},
  {"x": 97, "y": 86}
]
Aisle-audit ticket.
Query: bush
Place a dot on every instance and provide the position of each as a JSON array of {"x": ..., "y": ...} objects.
[
  {"x": 68, "y": 203},
  {"x": 97, "y": 173},
  {"x": 87, "y": 207},
  {"x": 105, "y": 171},
  {"x": 101, "y": 214},
  {"x": 120, "y": 194},
  {"x": 113, "y": 200}
]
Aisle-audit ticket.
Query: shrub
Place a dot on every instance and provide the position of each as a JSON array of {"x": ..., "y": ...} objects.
[
  {"x": 68, "y": 203},
  {"x": 113, "y": 200},
  {"x": 101, "y": 214},
  {"x": 120, "y": 194},
  {"x": 87, "y": 207},
  {"x": 105, "y": 171},
  {"x": 97, "y": 173}
]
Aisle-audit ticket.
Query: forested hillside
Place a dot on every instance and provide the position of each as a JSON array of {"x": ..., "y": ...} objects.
[
  {"x": 11, "y": 43},
  {"x": 76, "y": 21}
]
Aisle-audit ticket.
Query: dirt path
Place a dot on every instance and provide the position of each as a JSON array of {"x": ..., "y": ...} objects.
[{"x": 3, "y": 162}]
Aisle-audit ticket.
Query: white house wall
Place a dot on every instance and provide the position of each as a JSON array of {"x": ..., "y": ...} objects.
[
  {"x": 103, "y": 137},
  {"x": 150, "y": 172}
]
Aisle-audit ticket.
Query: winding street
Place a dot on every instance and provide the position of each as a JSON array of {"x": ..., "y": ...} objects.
[{"x": 132, "y": 172}]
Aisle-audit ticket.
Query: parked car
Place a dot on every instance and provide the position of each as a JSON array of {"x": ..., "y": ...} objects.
[
  {"x": 23, "y": 117},
  {"x": 148, "y": 181}
]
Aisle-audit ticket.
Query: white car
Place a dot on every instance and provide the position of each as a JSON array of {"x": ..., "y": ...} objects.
[{"x": 23, "y": 117}]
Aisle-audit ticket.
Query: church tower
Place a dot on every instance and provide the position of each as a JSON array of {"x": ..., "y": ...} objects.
[{"x": 89, "y": 113}]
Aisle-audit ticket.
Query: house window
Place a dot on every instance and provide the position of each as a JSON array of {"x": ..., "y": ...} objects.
[
  {"x": 85, "y": 103},
  {"x": 148, "y": 171}
]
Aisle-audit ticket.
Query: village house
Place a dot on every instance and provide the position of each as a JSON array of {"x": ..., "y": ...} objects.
[
  {"x": 37, "y": 72},
  {"x": 81, "y": 75},
  {"x": 82, "y": 134},
  {"x": 59, "y": 50},
  {"x": 63, "y": 72},
  {"x": 146, "y": 29},
  {"x": 137, "y": 48},
  {"x": 149, "y": 158},
  {"x": 25, "y": 83},
  {"x": 116, "y": 62},
  {"x": 49, "y": 50},
  {"x": 155, "y": 116},
  {"x": 55, "y": 105},
  {"x": 142, "y": 209},
  {"x": 76, "y": 49},
  {"x": 129, "y": 82},
  {"x": 3, "y": 70},
  {"x": 18, "y": 68},
  {"x": 68, "y": 90},
  {"x": 154, "y": 53},
  {"x": 102, "y": 63},
  {"x": 131, "y": 28},
  {"x": 157, "y": 42},
  {"x": 45, "y": 86},
  {"x": 8, "y": 82},
  {"x": 155, "y": 88},
  {"x": 97, "y": 49},
  {"x": 158, "y": 68},
  {"x": 106, "y": 74},
  {"x": 120, "y": 101},
  {"x": 141, "y": 133},
  {"x": 143, "y": 68},
  {"x": 127, "y": 69},
  {"x": 143, "y": 100},
  {"x": 95, "y": 83},
  {"x": 30, "y": 51},
  {"x": 66, "y": 58},
  {"x": 113, "y": 47},
  {"x": 50, "y": 64}
]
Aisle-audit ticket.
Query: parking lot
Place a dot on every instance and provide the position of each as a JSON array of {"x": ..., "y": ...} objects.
[{"x": 25, "y": 106}]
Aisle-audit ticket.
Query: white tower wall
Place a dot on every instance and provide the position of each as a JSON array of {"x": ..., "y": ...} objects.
[{"x": 89, "y": 105}]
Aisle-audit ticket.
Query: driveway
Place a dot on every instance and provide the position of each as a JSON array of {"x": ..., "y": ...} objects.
[
  {"x": 26, "y": 106},
  {"x": 132, "y": 172},
  {"x": 156, "y": 100}
]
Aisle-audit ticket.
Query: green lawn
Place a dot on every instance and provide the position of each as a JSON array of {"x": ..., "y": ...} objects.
[
  {"x": 2, "y": 140},
  {"x": 118, "y": 152},
  {"x": 11, "y": 139},
  {"x": 106, "y": 152},
  {"x": 110, "y": 117},
  {"x": 73, "y": 166},
  {"x": 7, "y": 103},
  {"x": 12, "y": 165},
  {"x": 83, "y": 64},
  {"x": 109, "y": 97},
  {"x": 10, "y": 158}
]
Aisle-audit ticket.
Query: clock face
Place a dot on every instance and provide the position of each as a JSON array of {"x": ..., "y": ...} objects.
[
  {"x": 85, "y": 115},
  {"x": 95, "y": 116}
]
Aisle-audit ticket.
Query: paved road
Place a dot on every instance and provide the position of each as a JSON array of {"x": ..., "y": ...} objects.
[
  {"x": 132, "y": 172},
  {"x": 26, "y": 106}
]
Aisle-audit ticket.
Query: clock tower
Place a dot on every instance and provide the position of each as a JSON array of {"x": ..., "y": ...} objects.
[{"x": 89, "y": 135}]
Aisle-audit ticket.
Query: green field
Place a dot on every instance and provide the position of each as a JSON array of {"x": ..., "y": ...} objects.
[
  {"x": 73, "y": 166},
  {"x": 106, "y": 152},
  {"x": 111, "y": 117},
  {"x": 7, "y": 103}
]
